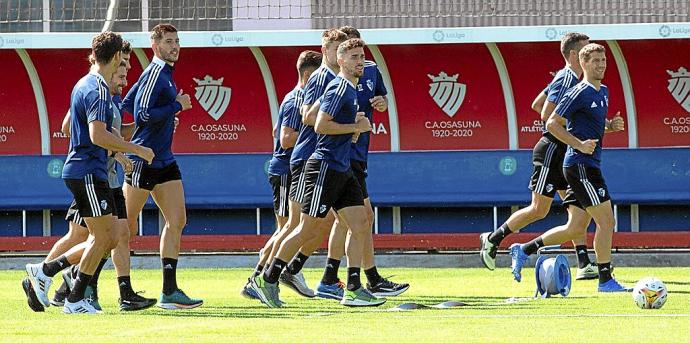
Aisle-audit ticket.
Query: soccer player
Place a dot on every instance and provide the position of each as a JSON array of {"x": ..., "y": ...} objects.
[
  {"x": 371, "y": 94},
  {"x": 285, "y": 133},
  {"x": 156, "y": 103},
  {"x": 579, "y": 120},
  {"x": 304, "y": 147},
  {"x": 85, "y": 172},
  {"x": 329, "y": 182},
  {"x": 547, "y": 177}
]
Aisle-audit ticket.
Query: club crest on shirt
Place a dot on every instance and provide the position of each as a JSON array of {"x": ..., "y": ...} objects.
[
  {"x": 679, "y": 86},
  {"x": 213, "y": 97},
  {"x": 447, "y": 93}
]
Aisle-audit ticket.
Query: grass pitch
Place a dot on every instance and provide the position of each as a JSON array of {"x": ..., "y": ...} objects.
[{"x": 584, "y": 316}]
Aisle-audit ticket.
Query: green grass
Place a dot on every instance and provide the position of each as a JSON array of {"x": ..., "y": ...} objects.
[{"x": 584, "y": 316}]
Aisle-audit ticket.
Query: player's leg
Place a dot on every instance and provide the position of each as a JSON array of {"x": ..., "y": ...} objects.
[
  {"x": 376, "y": 284},
  {"x": 355, "y": 219},
  {"x": 330, "y": 284},
  {"x": 135, "y": 199},
  {"x": 586, "y": 270},
  {"x": 537, "y": 210},
  {"x": 169, "y": 196}
]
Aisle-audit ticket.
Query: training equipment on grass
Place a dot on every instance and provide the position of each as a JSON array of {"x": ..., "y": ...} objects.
[
  {"x": 650, "y": 293},
  {"x": 553, "y": 276}
]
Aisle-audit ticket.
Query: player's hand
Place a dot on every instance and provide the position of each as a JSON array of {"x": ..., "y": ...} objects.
[
  {"x": 124, "y": 161},
  {"x": 362, "y": 122},
  {"x": 588, "y": 146},
  {"x": 617, "y": 123},
  {"x": 145, "y": 153},
  {"x": 177, "y": 122},
  {"x": 379, "y": 103},
  {"x": 184, "y": 100}
]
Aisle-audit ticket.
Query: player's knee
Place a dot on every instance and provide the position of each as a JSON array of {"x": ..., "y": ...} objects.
[
  {"x": 539, "y": 211},
  {"x": 77, "y": 233},
  {"x": 178, "y": 222}
]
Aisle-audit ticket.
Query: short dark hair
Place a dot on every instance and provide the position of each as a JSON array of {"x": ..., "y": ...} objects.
[
  {"x": 571, "y": 41},
  {"x": 350, "y": 44},
  {"x": 308, "y": 59},
  {"x": 105, "y": 46},
  {"x": 126, "y": 47},
  {"x": 333, "y": 35},
  {"x": 351, "y": 32},
  {"x": 160, "y": 29}
]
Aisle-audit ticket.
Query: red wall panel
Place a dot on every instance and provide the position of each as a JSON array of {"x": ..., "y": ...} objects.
[{"x": 20, "y": 132}]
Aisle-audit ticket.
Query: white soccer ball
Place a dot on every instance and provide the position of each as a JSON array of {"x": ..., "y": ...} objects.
[{"x": 650, "y": 293}]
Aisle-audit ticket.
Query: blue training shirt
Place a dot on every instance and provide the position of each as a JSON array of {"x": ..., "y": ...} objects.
[
  {"x": 288, "y": 116},
  {"x": 340, "y": 101},
  {"x": 565, "y": 79},
  {"x": 370, "y": 85},
  {"x": 155, "y": 106},
  {"x": 90, "y": 101},
  {"x": 315, "y": 88},
  {"x": 584, "y": 108}
]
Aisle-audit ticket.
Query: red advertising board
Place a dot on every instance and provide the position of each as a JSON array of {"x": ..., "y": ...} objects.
[
  {"x": 20, "y": 132},
  {"x": 449, "y": 97},
  {"x": 661, "y": 82},
  {"x": 230, "y": 111}
]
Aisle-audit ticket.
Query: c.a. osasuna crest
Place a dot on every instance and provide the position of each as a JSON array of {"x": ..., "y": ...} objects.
[
  {"x": 679, "y": 86},
  {"x": 213, "y": 97},
  {"x": 447, "y": 93}
]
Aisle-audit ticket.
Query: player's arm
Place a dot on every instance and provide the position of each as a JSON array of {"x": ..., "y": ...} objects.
[
  {"x": 325, "y": 125},
  {"x": 310, "y": 112},
  {"x": 380, "y": 101},
  {"x": 146, "y": 110},
  {"x": 66, "y": 123},
  {"x": 538, "y": 103},
  {"x": 288, "y": 137},
  {"x": 556, "y": 125},
  {"x": 102, "y": 137},
  {"x": 547, "y": 110},
  {"x": 127, "y": 131}
]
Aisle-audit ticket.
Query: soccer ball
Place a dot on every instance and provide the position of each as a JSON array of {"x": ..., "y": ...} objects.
[{"x": 650, "y": 293}]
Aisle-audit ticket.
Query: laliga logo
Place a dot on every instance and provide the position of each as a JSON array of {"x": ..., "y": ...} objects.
[
  {"x": 679, "y": 86},
  {"x": 447, "y": 92},
  {"x": 212, "y": 96}
]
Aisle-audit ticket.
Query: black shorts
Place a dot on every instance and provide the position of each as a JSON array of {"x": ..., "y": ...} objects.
[
  {"x": 547, "y": 176},
  {"x": 586, "y": 187},
  {"x": 297, "y": 182},
  {"x": 119, "y": 209},
  {"x": 92, "y": 196},
  {"x": 359, "y": 169},
  {"x": 326, "y": 188},
  {"x": 281, "y": 189},
  {"x": 145, "y": 177}
]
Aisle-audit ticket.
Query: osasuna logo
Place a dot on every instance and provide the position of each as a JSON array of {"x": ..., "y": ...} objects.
[
  {"x": 679, "y": 86},
  {"x": 212, "y": 95},
  {"x": 447, "y": 92}
]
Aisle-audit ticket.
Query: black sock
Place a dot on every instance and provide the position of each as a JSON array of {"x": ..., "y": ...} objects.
[
  {"x": 373, "y": 276},
  {"x": 582, "y": 256},
  {"x": 169, "y": 275},
  {"x": 63, "y": 289},
  {"x": 53, "y": 267},
  {"x": 604, "y": 272},
  {"x": 499, "y": 234},
  {"x": 273, "y": 273},
  {"x": 257, "y": 270},
  {"x": 97, "y": 273},
  {"x": 353, "y": 281},
  {"x": 532, "y": 246},
  {"x": 330, "y": 274},
  {"x": 297, "y": 263},
  {"x": 125, "y": 285},
  {"x": 80, "y": 284}
]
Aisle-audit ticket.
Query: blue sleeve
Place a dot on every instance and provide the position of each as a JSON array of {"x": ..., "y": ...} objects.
[
  {"x": 569, "y": 104},
  {"x": 291, "y": 117},
  {"x": 315, "y": 89},
  {"x": 145, "y": 110},
  {"x": 333, "y": 98},
  {"x": 98, "y": 105},
  {"x": 128, "y": 101},
  {"x": 559, "y": 86},
  {"x": 380, "y": 86}
]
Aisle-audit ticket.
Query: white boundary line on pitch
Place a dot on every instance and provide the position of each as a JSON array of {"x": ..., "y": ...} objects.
[{"x": 602, "y": 315}]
